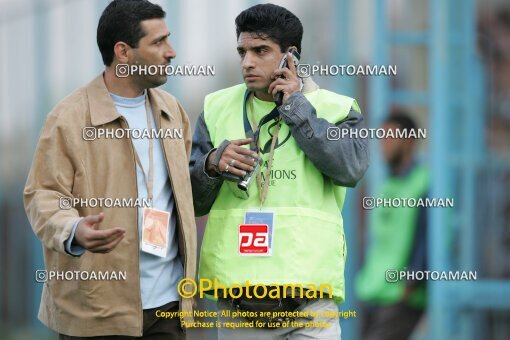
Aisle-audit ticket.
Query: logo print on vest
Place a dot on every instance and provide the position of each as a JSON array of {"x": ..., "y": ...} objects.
[{"x": 270, "y": 130}]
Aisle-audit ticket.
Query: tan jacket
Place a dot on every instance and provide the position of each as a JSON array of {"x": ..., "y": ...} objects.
[{"x": 65, "y": 165}]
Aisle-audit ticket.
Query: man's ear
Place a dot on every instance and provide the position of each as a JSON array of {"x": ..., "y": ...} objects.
[{"x": 121, "y": 50}]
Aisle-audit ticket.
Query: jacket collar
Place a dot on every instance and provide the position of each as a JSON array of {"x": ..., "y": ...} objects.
[
  {"x": 309, "y": 85},
  {"x": 102, "y": 108}
]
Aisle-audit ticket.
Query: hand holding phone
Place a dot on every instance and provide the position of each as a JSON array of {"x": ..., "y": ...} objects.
[{"x": 286, "y": 77}]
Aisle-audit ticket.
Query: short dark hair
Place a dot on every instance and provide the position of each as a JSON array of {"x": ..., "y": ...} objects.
[
  {"x": 403, "y": 120},
  {"x": 273, "y": 22},
  {"x": 120, "y": 21}
]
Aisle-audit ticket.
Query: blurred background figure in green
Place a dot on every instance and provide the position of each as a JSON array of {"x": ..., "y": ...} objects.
[
  {"x": 397, "y": 241},
  {"x": 453, "y": 75}
]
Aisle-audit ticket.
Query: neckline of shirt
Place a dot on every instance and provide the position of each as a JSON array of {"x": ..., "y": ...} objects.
[{"x": 128, "y": 102}]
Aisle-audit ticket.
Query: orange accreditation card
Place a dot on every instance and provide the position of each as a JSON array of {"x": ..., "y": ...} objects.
[{"x": 155, "y": 231}]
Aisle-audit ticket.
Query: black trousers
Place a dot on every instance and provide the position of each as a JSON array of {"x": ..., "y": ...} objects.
[
  {"x": 393, "y": 322},
  {"x": 154, "y": 328}
]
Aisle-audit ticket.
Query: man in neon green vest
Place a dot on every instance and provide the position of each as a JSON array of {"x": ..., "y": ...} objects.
[
  {"x": 284, "y": 233},
  {"x": 397, "y": 242}
]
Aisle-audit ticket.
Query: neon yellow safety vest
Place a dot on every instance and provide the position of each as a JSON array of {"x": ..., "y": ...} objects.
[{"x": 308, "y": 240}]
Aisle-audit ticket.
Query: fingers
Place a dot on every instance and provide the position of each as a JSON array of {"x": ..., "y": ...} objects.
[
  {"x": 240, "y": 167},
  {"x": 238, "y": 153},
  {"x": 93, "y": 220},
  {"x": 234, "y": 150},
  {"x": 234, "y": 170},
  {"x": 108, "y": 247},
  {"x": 278, "y": 81},
  {"x": 106, "y": 234},
  {"x": 280, "y": 88},
  {"x": 245, "y": 163},
  {"x": 286, "y": 80},
  {"x": 93, "y": 242},
  {"x": 244, "y": 141},
  {"x": 237, "y": 160},
  {"x": 283, "y": 73},
  {"x": 92, "y": 239}
]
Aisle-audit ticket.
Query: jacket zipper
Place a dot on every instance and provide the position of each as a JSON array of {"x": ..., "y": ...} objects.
[{"x": 137, "y": 232}]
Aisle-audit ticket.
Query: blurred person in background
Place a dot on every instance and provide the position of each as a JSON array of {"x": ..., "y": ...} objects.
[
  {"x": 69, "y": 164},
  {"x": 397, "y": 241},
  {"x": 299, "y": 192}
]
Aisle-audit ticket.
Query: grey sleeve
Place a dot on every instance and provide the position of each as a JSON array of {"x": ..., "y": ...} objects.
[
  {"x": 205, "y": 188},
  {"x": 344, "y": 160}
]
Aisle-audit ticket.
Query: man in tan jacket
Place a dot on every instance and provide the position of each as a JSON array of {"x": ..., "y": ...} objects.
[{"x": 111, "y": 166}]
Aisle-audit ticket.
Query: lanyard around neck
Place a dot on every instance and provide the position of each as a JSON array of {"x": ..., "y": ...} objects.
[
  {"x": 274, "y": 114},
  {"x": 248, "y": 96}
]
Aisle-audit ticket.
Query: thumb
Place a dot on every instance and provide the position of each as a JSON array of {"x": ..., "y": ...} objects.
[{"x": 93, "y": 221}]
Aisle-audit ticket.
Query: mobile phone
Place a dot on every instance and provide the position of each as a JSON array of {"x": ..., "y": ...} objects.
[{"x": 285, "y": 63}]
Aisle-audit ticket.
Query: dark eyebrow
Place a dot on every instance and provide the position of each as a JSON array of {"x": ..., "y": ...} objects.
[
  {"x": 256, "y": 47},
  {"x": 259, "y": 47},
  {"x": 160, "y": 38}
]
